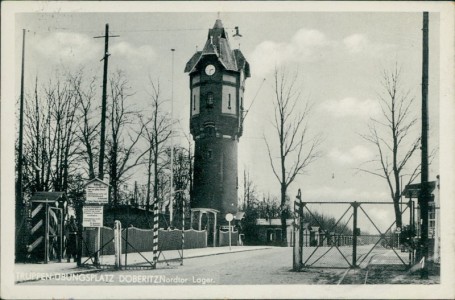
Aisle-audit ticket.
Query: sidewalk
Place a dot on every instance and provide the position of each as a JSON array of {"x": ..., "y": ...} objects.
[{"x": 35, "y": 272}]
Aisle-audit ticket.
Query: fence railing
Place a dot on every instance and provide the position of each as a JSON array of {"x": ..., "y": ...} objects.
[{"x": 343, "y": 241}]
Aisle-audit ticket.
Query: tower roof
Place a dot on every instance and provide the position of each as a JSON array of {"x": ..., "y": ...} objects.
[{"x": 218, "y": 44}]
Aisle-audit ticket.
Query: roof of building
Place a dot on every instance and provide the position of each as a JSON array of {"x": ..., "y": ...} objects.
[
  {"x": 218, "y": 44},
  {"x": 97, "y": 180},
  {"x": 413, "y": 190},
  {"x": 272, "y": 222},
  {"x": 48, "y": 196},
  {"x": 239, "y": 215}
]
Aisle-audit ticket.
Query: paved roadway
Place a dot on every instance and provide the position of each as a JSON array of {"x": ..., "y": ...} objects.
[
  {"x": 334, "y": 257},
  {"x": 265, "y": 266}
]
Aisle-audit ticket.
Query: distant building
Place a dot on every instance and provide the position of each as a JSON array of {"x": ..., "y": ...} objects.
[{"x": 269, "y": 231}]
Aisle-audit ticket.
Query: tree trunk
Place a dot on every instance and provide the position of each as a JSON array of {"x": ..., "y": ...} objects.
[
  {"x": 283, "y": 215},
  {"x": 149, "y": 179},
  {"x": 396, "y": 206}
]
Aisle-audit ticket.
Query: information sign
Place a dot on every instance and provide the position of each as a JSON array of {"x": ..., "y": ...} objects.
[
  {"x": 92, "y": 216},
  {"x": 229, "y": 217},
  {"x": 97, "y": 192}
]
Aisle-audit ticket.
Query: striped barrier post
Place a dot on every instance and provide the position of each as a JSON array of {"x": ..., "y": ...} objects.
[{"x": 155, "y": 234}]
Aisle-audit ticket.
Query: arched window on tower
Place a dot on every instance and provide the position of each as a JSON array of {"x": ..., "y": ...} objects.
[
  {"x": 210, "y": 100},
  {"x": 209, "y": 154}
]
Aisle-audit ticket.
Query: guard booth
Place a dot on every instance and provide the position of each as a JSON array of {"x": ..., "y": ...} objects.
[
  {"x": 412, "y": 192},
  {"x": 47, "y": 214}
]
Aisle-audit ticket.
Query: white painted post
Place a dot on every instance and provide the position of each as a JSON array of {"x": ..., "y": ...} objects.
[
  {"x": 229, "y": 218},
  {"x": 229, "y": 235},
  {"x": 98, "y": 244},
  {"x": 120, "y": 244},
  {"x": 214, "y": 232},
  {"x": 116, "y": 244}
]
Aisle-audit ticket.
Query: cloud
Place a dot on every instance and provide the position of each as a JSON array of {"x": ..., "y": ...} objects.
[
  {"x": 354, "y": 155},
  {"x": 137, "y": 55},
  {"x": 73, "y": 49},
  {"x": 351, "y": 107},
  {"x": 359, "y": 43},
  {"x": 68, "y": 48},
  {"x": 328, "y": 193},
  {"x": 305, "y": 46},
  {"x": 356, "y": 43}
]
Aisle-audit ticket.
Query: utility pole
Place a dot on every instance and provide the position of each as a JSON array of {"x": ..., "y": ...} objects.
[
  {"x": 103, "y": 120},
  {"x": 20, "y": 247},
  {"x": 171, "y": 204},
  {"x": 135, "y": 193},
  {"x": 424, "y": 194},
  {"x": 104, "y": 100},
  {"x": 245, "y": 203},
  {"x": 248, "y": 191}
]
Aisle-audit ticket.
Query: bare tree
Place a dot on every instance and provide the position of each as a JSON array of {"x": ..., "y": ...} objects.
[
  {"x": 393, "y": 137},
  {"x": 34, "y": 144},
  {"x": 157, "y": 132},
  {"x": 182, "y": 180},
  {"x": 249, "y": 192},
  {"x": 62, "y": 110},
  {"x": 123, "y": 153},
  {"x": 87, "y": 126},
  {"x": 297, "y": 149},
  {"x": 50, "y": 135}
]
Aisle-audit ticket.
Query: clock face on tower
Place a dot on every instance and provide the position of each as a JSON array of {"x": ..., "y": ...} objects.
[{"x": 210, "y": 70}]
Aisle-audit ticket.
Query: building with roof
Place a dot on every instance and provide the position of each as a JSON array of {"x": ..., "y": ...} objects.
[
  {"x": 217, "y": 82},
  {"x": 412, "y": 192}
]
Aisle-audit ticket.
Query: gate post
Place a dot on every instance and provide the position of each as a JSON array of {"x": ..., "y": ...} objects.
[
  {"x": 117, "y": 243},
  {"x": 155, "y": 233},
  {"x": 61, "y": 234},
  {"x": 354, "y": 235},
  {"x": 298, "y": 238},
  {"x": 46, "y": 234}
]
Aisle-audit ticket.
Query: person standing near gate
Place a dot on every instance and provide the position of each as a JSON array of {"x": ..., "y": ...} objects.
[{"x": 71, "y": 239}]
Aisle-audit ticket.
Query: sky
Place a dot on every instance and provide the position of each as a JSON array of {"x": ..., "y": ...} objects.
[{"x": 339, "y": 57}]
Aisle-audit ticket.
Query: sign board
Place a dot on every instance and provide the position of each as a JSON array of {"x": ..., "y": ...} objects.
[
  {"x": 92, "y": 216},
  {"x": 97, "y": 192},
  {"x": 413, "y": 190},
  {"x": 229, "y": 217}
]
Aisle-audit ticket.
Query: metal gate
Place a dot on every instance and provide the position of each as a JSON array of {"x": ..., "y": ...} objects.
[{"x": 351, "y": 235}]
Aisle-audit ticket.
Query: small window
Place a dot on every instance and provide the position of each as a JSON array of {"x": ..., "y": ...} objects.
[
  {"x": 194, "y": 102},
  {"x": 209, "y": 154},
  {"x": 229, "y": 102},
  {"x": 210, "y": 100},
  {"x": 241, "y": 103}
]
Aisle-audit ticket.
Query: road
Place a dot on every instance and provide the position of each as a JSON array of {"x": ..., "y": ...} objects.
[
  {"x": 268, "y": 266},
  {"x": 265, "y": 266}
]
